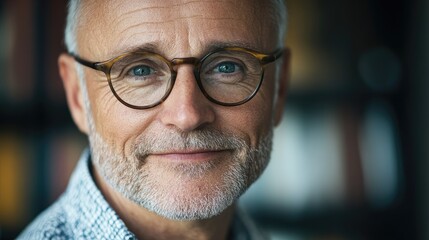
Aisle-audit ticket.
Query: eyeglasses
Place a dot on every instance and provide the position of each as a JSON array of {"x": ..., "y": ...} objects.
[{"x": 229, "y": 76}]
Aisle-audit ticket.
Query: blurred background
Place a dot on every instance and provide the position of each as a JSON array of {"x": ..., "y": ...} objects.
[{"x": 349, "y": 159}]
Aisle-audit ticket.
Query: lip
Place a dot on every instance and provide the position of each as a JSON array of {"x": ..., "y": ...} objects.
[{"x": 190, "y": 155}]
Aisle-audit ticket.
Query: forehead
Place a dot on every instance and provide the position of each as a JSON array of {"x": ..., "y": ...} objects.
[{"x": 176, "y": 27}]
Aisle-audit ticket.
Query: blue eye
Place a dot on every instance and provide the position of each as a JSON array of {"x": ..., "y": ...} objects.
[
  {"x": 141, "y": 71},
  {"x": 226, "y": 67}
]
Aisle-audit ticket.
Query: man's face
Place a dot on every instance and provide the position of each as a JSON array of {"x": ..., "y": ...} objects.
[{"x": 187, "y": 158}]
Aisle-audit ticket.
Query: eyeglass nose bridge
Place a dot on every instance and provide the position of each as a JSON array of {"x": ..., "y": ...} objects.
[
  {"x": 195, "y": 62},
  {"x": 175, "y": 62}
]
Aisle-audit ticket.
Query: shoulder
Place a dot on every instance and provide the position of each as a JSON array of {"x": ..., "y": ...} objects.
[{"x": 50, "y": 224}]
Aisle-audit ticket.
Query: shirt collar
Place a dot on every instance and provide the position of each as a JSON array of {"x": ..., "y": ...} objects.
[{"x": 88, "y": 210}]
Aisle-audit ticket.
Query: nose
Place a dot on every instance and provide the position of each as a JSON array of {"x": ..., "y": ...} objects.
[{"x": 186, "y": 108}]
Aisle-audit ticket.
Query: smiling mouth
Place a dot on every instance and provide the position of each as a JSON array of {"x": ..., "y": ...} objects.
[{"x": 183, "y": 156}]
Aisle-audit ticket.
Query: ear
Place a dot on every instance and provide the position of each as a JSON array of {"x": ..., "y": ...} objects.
[
  {"x": 282, "y": 87},
  {"x": 75, "y": 100}
]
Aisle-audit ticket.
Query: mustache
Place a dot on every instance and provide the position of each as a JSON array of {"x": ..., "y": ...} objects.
[{"x": 170, "y": 140}]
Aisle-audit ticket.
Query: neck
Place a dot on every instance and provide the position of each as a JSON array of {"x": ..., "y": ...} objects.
[{"x": 148, "y": 225}]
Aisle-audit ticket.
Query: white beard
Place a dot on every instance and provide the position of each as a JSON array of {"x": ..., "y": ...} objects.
[{"x": 152, "y": 186}]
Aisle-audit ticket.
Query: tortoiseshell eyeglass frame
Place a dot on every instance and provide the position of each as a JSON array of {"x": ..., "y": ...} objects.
[{"x": 106, "y": 66}]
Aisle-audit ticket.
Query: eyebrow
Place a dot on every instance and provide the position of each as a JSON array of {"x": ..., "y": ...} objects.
[
  {"x": 154, "y": 47},
  {"x": 217, "y": 45},
  {"x": 147, "y": 47}
]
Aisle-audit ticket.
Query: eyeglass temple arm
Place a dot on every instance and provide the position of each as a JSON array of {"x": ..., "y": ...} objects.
[
  {"x": 273, "y": 57},
  {"x": 84, "y": 62}
]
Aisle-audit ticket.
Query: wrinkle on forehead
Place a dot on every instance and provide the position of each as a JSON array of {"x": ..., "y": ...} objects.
[
  {"x": 173, "y": 8},
  {"x": 174, "y": 21},
  {"x": 165, "y": 13},
  {"x": 162, "y": 21}
]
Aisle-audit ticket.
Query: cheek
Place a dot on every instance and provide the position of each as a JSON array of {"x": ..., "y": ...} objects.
[
  {"x": 261, "y": 120},
  {"x": 252, "y": 121},
  {"x": 258, "y": 114},
  {"x": 116, "y": 123}
]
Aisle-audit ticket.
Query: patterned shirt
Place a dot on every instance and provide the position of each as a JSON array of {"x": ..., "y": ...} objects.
[{"x": 82, "y": 212}]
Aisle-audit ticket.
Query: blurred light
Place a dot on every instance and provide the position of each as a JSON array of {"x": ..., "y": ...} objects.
[
  {"x": 379, "y": 155},
  {"x": 14, "y": 177},
  {"x": 275, "y": 235},
  {"x": 380, "y": 69}
]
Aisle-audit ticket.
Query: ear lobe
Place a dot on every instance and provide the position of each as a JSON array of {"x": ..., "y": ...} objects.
[
  {"x": 283, "y": 86},
  {"x": 75, "y": 100}
]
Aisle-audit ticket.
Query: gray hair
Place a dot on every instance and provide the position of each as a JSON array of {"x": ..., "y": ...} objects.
[
  {"x": 74, "y": 16},
  {"x": 278, "y": 12},
  {"x": 71, "y": 25}
]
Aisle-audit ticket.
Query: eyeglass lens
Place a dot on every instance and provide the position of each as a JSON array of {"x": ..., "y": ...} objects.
[{"x": 143, "y": 79}]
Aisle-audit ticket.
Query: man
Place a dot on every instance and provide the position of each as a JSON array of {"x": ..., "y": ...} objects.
[{"x": 179, "y": 99}]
